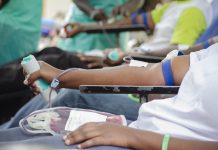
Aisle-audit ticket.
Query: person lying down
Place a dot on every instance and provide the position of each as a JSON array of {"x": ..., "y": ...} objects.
[{"x": 183, "y": 122}]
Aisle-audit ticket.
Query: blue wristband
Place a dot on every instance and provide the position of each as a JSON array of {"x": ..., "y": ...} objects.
[
  {"x": 133, "y": 18},
  {"x": 206, "y": 44},
  {"x": 167, "y": 73},
  {"x": 145, "y": 21}
]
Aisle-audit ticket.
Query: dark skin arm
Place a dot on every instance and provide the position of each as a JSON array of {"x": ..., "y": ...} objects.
[
  {"x": 127, "y": 8},
  {"x": 96, "y": 14},
  {"x": 151, "y": 75},
  {"x": 162, "y": 52},
  {"x": 76, "y": 28},
  {"x": 99, "y": 62},
  {"x": 200, "y": 46},
  {"x": 94, "y": 134}
]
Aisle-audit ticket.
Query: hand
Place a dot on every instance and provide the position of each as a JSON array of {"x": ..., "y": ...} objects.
[
  {"x": 98, "y": 15},
  {"x": 92, "y": 61},
  {"x": 121, "y": 10},
  {"x": 72, "y": 29},
  {"x": 94, "y": 134},
  {"x": 46, "y": 72},
  {"x": 110, "y": 62}
]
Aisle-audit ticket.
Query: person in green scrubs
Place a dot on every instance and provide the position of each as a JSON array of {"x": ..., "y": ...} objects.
[
  {"x": 20, "y": 25},
  {"x": 100, "y": 10}
]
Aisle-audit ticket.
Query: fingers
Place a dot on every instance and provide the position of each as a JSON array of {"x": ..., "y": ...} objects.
[
  {"x": 33, "y": 77},
  {"x": 93, "y": 142},
  {"x": 124, "y": 12},
  {"x": 30, "y": 79},
  {"x": 85, "y": 58},
  {"x": 107, "y": 51},
  {"x": 120, "y": 11},
  {"x": 33, "y": 86},
  {"x": 26, "y": 79},
  {"x": 95, "y": 65},
  {"x": 116, "y": 11},
  {"x": 92, "y": 61},
  {"x": 100, "y": 15},
  {"x": 88, "y": 59},
  {"x": 71, "y": 29},
  {"x": 103, "y": 17},
  {"x": 35, "y": 89},
  {"x": 85, "y": 132}
]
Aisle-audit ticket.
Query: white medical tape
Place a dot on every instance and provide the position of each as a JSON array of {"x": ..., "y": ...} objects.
[{"x": 136, "y": 63}]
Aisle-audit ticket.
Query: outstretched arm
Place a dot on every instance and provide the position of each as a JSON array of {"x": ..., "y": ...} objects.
[
  {"x": 201, "y": 46},
  {"x": 121, "y": 75},
  {"x": 147, "y": 22}
]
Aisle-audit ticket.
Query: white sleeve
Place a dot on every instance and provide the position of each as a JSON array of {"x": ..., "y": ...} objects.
[{"x": 202, "y": 54}]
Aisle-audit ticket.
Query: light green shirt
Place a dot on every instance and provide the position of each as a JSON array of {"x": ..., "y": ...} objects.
[
  {"x": 190, "y": 25},
  {"x": 20, "y": 24}
]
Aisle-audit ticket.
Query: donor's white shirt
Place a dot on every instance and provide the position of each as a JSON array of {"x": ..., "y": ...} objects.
[{"x": 193, "y": 113}]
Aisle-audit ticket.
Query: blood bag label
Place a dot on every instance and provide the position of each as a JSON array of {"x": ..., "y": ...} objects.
[{"x": 78, "y": 118}]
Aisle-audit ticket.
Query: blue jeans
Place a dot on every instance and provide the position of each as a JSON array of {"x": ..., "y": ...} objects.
[
  {"x": 16, "y": 136},
  {"x": 112, "y": 103}
]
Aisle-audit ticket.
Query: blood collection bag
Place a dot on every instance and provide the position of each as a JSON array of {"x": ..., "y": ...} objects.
[{"x": 61, "y": 120}]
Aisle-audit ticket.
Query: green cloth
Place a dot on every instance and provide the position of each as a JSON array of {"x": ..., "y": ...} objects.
[
  {"x": 192, "y": 22},
  {"x": 85, "y": 42},
  {"x": 20, "y": 24},
  {"x": 159, "y": 12}
]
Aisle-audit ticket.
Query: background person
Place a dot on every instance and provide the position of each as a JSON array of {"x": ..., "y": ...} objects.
[
  {"x": 89, "y": 11},
  {"x": 20, "y": 24},
  {"x": 179, "y": 116}
]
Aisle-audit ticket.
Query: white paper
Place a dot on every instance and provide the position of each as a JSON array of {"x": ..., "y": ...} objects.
[{"x": 78, "y": 118}]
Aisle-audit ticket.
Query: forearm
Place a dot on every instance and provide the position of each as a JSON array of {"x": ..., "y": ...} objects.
[
  {"x": 124, "y": 75},
  {"x": 200, "y": 46},
  {"x": 145, "y": 140},
  {"x": 151, "y": 75},
  {"x": 84, "y": 6},
  {"x": 121, "y": 75},
  {"x": 122, "y": 23},
  {"x": 179, "y": 144},
  {"x": 161, "y": 52},
  {"x": 96, "y": 26},
  {"x": 139, "y": 21}
]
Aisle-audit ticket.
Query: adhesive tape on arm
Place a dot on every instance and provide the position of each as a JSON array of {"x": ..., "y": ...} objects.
[{"x": 136, "y": 63}]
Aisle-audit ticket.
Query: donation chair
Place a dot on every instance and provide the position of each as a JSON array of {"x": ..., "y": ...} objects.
[{"x": 142, "y": 91}]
